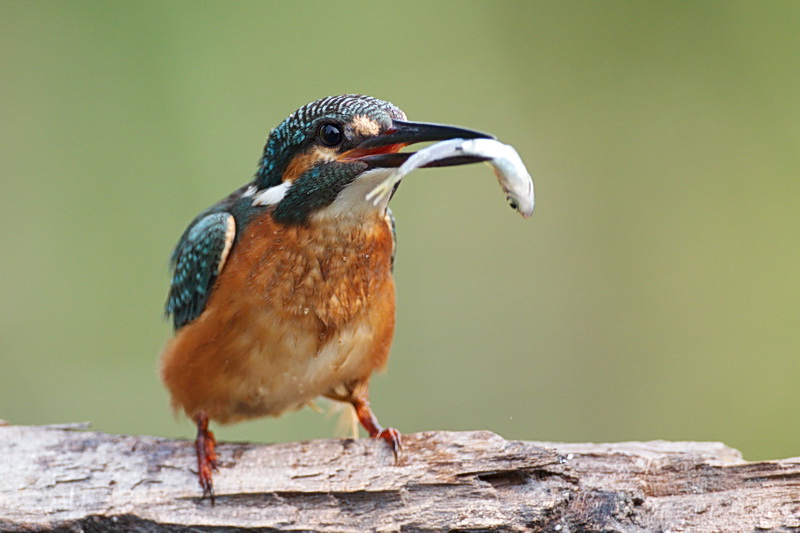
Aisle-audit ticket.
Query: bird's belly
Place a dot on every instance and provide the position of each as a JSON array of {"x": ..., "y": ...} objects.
[
  {"x": 291, "y": 373},
  {"x": 263, "y": 362}
]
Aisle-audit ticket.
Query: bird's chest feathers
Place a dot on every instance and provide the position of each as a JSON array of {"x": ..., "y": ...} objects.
[
  {"x": 328, "y": 270},
  {"x": 296, "y": 312}
]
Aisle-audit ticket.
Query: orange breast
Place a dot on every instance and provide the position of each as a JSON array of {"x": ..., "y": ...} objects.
[{"x": 296, "y": 312}]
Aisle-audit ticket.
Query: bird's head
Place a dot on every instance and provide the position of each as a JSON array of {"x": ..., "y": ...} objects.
[{"x": 330, "y": 153}]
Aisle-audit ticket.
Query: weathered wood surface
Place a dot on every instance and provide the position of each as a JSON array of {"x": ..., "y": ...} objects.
[{"x": 60, "y": 479}]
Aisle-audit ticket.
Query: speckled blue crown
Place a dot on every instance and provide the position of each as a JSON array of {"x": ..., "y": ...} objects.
[{"x": 293, "y": 131}]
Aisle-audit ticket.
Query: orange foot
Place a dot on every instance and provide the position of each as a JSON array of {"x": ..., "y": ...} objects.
[
  {"x": 370, "y": 422},
  {"x": 392, "y": 436},
  {"x": 205, "y": 445}
]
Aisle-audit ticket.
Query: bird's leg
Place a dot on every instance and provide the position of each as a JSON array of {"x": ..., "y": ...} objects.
[
  {"x": 205, "y": 445},
  {"x": 370, "y": 422}
]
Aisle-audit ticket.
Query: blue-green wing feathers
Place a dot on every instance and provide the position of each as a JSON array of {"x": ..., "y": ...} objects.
[{"x": 197, "y": 260}]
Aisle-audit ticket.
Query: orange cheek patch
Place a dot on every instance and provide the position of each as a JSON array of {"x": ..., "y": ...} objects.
[{"x": 302, "y": 162}]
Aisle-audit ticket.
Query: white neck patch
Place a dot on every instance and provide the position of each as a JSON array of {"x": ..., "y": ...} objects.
[
  {"x": 352, "y": 201},
  {"x": 273, "y": 195}
]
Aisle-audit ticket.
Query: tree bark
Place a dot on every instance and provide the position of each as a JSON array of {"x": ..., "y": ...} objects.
[{"x": 65, "y": 479}]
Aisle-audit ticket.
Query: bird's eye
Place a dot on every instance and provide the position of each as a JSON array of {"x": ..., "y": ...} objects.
[{"x": 330, "y": 134}]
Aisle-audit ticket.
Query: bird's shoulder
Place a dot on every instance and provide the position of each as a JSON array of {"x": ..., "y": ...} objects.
[{"x": 201, "y": 253}]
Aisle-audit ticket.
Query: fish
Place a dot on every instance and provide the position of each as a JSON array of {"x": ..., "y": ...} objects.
[{"x": 513, "y": 177}]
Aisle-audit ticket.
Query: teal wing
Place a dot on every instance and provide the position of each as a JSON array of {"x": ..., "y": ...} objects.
[{"x": 197, "y": 260}]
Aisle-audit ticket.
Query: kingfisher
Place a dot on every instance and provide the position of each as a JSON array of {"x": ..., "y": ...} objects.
[{"x": 282, "y": 292}]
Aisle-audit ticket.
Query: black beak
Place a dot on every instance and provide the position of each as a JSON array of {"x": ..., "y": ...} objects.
[
  {"x": 381, "y": 150},
  {"x": 403, "y": 132}
]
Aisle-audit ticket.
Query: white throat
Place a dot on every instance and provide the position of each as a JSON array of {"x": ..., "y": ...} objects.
[{"x": 352, "y": 201}]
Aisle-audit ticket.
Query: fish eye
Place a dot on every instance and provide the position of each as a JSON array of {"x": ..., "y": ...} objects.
[{"x": 330, "y": 134}]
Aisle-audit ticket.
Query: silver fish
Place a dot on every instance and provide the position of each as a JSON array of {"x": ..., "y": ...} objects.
[{"x": 504, "y": 160}]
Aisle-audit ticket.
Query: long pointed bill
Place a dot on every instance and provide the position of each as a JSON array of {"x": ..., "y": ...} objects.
[
  {"x": 404, "y": 132},
  {"x": 382, "y": 150}
]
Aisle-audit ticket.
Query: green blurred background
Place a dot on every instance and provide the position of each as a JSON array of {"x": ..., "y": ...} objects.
[{"x": 653, "y": 294}]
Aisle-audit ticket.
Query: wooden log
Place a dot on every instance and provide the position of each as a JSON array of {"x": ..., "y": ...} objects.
[{"x": 62, "y": 479}]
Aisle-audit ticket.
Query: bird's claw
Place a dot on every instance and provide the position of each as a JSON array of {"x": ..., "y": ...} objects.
[
  {"x": 206, "y": 465},
  {"x": 392, "y": 436},
  {"x": 205, "y": 446},
  {"x": 207, "y": 484}
]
